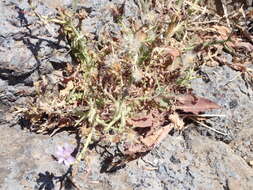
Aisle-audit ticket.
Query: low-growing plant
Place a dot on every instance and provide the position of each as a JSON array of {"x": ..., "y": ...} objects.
[{"x": 123, "y": 90}]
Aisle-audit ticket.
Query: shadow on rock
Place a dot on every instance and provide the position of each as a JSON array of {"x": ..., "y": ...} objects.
[
  {"x": 113, "y": 159},
  {"x": 47, "y": 181}
]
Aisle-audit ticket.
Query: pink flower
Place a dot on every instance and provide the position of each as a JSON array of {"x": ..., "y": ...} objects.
[{"x": 63, "y": 154}]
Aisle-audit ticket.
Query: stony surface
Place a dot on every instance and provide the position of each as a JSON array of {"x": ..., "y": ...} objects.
[
  {"x": 231, "y": 92},
  {"x": 26, "y": 158},
  {"x": 199, "y": 158},
  {"x": 243, "y": 144}
]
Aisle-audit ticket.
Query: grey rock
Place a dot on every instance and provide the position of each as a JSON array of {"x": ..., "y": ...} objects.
[
  {"x": 26, "y": 49},
  {"x": 227, "y": 88},
  {"x": 26, "y": 158},
  {"x": 243, "y": 144}
]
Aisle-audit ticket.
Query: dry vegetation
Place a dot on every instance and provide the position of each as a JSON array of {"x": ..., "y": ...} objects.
[{"x": 129, "y": 88}]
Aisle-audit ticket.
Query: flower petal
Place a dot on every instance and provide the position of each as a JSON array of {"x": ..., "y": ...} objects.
[
  {"x": 59, "y": 151},
  {"x": 60, "y": 160},
  {"x": 68, "y": 149},
  {"x": 70, "y": 160}
]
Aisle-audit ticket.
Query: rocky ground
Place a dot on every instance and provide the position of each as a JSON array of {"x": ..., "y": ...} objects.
[{"x": 198, "y": 158}]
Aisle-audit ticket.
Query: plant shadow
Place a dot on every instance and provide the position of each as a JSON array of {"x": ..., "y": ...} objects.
[
  {"x": 113, "y": 159},
  {"x": 47, "y": 181}
]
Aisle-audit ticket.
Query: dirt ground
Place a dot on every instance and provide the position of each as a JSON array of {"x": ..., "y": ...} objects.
[{"x": 198, "y": 158}]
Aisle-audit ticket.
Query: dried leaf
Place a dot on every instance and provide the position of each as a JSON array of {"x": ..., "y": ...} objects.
[
  {"x": 141, "y": 122},
  {"x": 223, "y": 31},
  {"x": 155, "y": 137},
  {"x": 135, "y": 148},
  {"x": 153, "y": 119},
  {"x": 238, "y": 67},
  {"x": 164, "y": 133},
  {"x": 64, "y": 122},
  {"x": 194, "y": 104},
  {"x": 173, "y": 52},
  {"x": 70, "y": 68},
  {"x": 66, "y": 91},
  {"x": 246, "y": 45},
  {"x": 176, "y": 120},
  {"x": 167, "y": 51},
  {"x": 65, "y": 80},
  {"x": 149, "y": 142}
]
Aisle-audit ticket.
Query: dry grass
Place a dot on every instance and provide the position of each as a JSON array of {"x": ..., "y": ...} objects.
[{"x": 134, "y": 77}]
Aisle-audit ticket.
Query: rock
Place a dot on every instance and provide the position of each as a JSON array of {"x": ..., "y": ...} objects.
[
  {"x": 227, "y": 88},
  {"x": 25, "y": 157},
  {"x": 243, "y": 144},
  {"x": 234, "y": 184},
  {"x": 26, "y": 50},
  {"x": 222, "y": 163}
]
